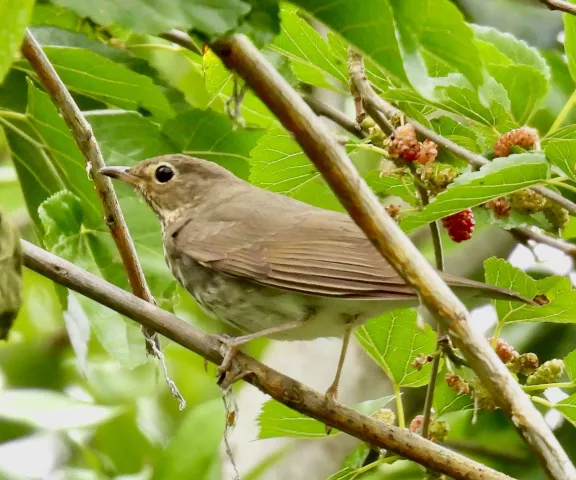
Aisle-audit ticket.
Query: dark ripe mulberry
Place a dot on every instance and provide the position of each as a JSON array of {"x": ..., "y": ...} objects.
[
  {"x": 527, "y": 201},
  {"x": 524, "y": 137},
  {"x": 460, "y": 225}
]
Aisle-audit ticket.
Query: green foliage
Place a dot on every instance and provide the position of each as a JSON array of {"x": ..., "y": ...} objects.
[
  {"x": 496, "y": 179},
  {"x": 15, "y": 18},
  {"x": 394, "y": 341}
]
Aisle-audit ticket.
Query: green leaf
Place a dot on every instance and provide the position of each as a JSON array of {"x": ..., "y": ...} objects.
[
  {"x": 15, "y": 16},
  {"x": 567, "y": 408},
  {"x": 570, "y": 42},
  {"x": 558, "y": 290},
  {"x": 499, "y": 177},
  {"x": 67, "y": 236},
  {"x": 278, "y": 164},
  {"x": 68, "y": 161},
  {"x": 399, "y": 187},
  {"x": 353, "y": 463},
  {"x": 570, "y": 364},
  {"x": 312, "y": 59},
  {"x": 219, "y": 83},
  {"x": 394, "y": 340},
  {"x": 278, "y": 420},
  {"x": 397, "y": 40},
  {"x": 36, "y": 174},
  {"x": 565, "y": 133},
  {"x": 500, "y": 48},
  {"x": 526, "y": 89},
  {"x": 210, "y": 135},
  {"x": 263, "y": 21},
  {"x": 562, "y": 154},
  {"x": 95, "y": 76},
  {"x": 51, "y": 410},
  {"x": 190, "y": 454},
  {"x": 211, "y": 17},
  {"x": 126, "y": 136}
]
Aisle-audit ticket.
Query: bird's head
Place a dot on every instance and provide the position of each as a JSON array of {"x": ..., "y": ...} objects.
[{"x": 172, "y": 183}]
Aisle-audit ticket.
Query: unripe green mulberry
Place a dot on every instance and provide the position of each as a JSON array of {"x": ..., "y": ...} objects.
[
  {"x": 556, "y": 215},
  {"x": 436, "y": 178},
  {"x": 524, "y": 364},
  {"x": 385, "y": 415},
  {"x": 548, "y": 372},
  {"x": 527, "y": 201},
  {"x": 482, "y": 398}
]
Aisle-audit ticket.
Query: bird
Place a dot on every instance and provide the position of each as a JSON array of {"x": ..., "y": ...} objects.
[
  {"x": 267, "y": 264},
  {"x": 10, "y": 275}
]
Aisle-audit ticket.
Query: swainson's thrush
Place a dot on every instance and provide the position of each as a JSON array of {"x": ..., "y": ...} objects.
[
  {"x": 267, "y": 264},
  {"x": 10, "y": 275}
]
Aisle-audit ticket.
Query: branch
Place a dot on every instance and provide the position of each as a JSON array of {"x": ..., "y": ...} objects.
[
  {"x": 182, "y": 39},
  {"x": 324, "y": 110},
  {"x": 280, "y": 387},
  {"x": 523, "y": 235},
  {"x": 372, "y": 101},
  {"x": 87, "y": 144},
  {"x": 561, "y": 5},
  {"x": 239, "y": 55}
]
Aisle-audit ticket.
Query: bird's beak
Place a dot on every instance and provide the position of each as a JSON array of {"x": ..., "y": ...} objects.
[{"x": 120, "y": 173}]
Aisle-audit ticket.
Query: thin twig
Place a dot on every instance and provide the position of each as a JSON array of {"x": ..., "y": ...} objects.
[
  {"x": 87, "y": 144},
  {"x": 241, "y": 56},
  {"x": 373, "y": 102},
  {"x": 524, "y": 235},
  {"x": 561, "y": 5},
  {"x": 324, "y": 110},
  {"x": 184, "y": 40},
  {"x": 439, "y": 258},
  {"x": 280, "y": 387},
  {"x": 360, "y": 84}
]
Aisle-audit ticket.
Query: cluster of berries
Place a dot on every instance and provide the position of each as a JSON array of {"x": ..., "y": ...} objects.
[
  {"x": 525, "y": 201},
  {"x": 526, "y": 365}
]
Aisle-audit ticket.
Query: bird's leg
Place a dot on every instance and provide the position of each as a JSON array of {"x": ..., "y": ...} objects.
[
  {"x": 332, "y": 392},
  {"x": 233, "y": 344}
]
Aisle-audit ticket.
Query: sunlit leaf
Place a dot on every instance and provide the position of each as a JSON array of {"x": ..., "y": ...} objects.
[
  {"x": 557, "y": 290},
  {"x": 499, "y": 177},
  {"x": 278, "y": 164},
  {"x": 15, "y": 18},
  {"x": 394, "y": 340},
  {"x": 51, "y": 410}
]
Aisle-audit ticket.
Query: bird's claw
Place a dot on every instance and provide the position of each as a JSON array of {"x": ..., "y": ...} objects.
[
  {"x": 331, "y": 401},
  {"x": 228, "y": 371}
]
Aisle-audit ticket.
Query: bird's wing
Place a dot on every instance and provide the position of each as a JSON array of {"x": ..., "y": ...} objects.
[{"x": 308, "y": 251}]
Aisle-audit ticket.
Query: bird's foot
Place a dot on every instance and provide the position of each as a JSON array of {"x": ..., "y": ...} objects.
[
  {"x": 330, "y": 402},
  {"x": 228, "y": 371}
]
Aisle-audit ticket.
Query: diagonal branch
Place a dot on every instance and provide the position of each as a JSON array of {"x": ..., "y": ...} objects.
[
  {"x": 284, "y": 389},
  {"x": 87, "y": 144},
  {"x": 561, "y": 5},
  {"x": 241, "y": 56},
  {"x": 372, "y": 101},
  {"x": 324, "y": 110}
]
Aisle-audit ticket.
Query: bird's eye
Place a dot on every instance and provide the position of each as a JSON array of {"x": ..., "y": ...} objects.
[{"x": 164, "y": 173}]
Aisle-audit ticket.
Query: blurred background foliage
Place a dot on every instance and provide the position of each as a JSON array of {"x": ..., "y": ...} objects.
[{"x": 78, "y": 397}]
